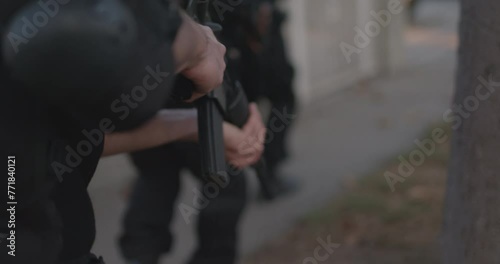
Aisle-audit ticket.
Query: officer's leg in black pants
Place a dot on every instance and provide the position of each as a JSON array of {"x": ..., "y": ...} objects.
[
  {"x": 146, "y": 224},
  {"x": 278, "y": 126},
  {"x": 279, "y": 90},
  {"x": 147, "y": 220},
  {"x": 217, "y": 225}
]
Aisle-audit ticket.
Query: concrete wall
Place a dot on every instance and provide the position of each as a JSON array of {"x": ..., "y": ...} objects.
[{"x": 316, "y": 30}]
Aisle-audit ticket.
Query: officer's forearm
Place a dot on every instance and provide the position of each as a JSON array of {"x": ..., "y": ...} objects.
[
  {"x": 167, "y": 126},
  {"x": 189, "y": 45}
]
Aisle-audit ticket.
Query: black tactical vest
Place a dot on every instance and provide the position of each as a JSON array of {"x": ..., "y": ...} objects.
[{"x": 56, "y": 86}]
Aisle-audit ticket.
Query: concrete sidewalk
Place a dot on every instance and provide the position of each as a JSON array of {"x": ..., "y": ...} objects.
[{"x": 344, "y": 135}]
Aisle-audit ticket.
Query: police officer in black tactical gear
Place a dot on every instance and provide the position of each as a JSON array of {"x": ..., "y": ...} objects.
[
  {"x": 81, "y": 79},
  {"x": 266, "y": 72},
  {"x": 216, "y": 209},
  {"x": 256, "y": 53}
]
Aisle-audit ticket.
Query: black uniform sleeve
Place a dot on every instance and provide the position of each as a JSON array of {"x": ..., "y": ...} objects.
[
  {"x": 162, "y": 16},
  {"x": 149, "y": 80}
]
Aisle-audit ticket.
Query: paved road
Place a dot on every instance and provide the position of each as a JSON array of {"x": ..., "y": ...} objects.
[{"x": 343, "y": 135}]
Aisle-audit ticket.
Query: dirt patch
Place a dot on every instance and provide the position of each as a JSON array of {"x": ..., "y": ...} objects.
[{"x": 370, "y": 224}]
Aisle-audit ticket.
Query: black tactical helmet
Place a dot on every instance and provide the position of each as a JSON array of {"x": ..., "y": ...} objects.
[
  {"x": 90, "y": 56},
  {"x": 72, "y": 48}
]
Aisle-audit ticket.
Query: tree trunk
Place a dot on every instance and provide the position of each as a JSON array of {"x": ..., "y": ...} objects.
[{"x": 472, "y": 209}]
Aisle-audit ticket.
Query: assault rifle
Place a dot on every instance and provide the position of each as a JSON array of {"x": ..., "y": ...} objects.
[{"x": 227, "y": 102}]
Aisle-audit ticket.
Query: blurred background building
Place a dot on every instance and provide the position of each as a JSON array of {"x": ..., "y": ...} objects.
[{"x": 316, "y": 30}]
